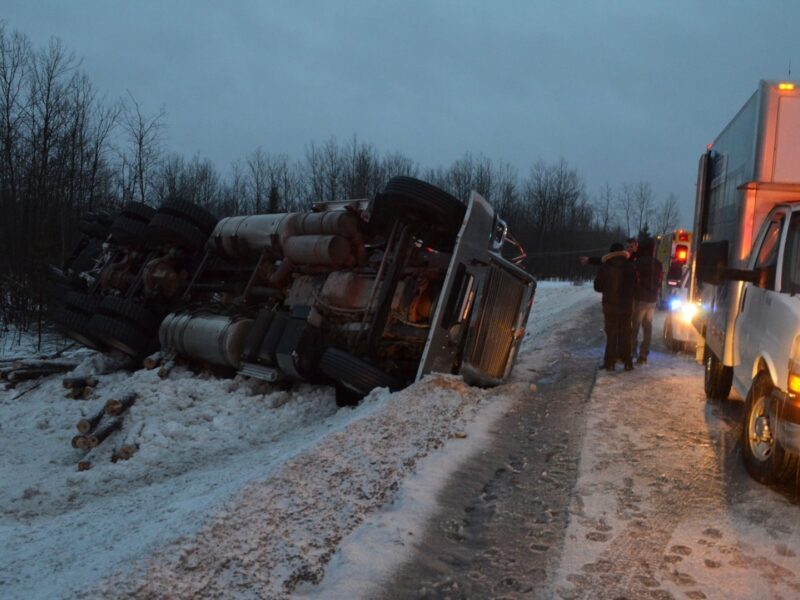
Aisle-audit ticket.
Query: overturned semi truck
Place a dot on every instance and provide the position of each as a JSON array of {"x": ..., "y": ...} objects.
[{"x": 358, "y": 294}]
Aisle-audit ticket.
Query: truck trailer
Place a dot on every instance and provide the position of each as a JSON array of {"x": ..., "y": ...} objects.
[{"x": 746, "y": 260}]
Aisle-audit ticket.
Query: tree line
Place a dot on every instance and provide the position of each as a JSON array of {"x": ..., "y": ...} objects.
[{"x": 66, "y": 149}]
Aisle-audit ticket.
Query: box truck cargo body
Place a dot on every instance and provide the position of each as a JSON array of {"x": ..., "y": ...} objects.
[{"x": 750, "y": 167}]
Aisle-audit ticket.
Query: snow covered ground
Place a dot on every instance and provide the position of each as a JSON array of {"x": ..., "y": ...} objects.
[
  {"x": 234, "y": 486},
  {"x": 663, "y": 507}
]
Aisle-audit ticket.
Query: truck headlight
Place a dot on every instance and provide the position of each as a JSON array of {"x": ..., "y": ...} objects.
[{"x": 688, "y": 312}]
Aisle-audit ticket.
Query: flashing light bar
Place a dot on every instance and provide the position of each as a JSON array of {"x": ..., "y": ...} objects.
[{"x": 785, "y": 86}]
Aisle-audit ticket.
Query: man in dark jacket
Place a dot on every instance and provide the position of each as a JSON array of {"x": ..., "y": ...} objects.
[
  {"x": 616, "y": 281},
  {"x": 648, "y": 282}
]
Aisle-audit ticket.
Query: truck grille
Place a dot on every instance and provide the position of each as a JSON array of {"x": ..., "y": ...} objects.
[{"x": 494, "y": 333}]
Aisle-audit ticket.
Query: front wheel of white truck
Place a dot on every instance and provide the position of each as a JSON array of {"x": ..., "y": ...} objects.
[{"x": 764, "y": 458}]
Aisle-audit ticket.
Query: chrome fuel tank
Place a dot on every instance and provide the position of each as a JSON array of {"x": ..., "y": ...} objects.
[{"x": 213, "y": 339}]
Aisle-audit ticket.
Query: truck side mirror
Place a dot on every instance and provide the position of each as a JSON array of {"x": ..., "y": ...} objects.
[
  {"x": 712, "y": 262},
  {"x": 763, "y": 277}
]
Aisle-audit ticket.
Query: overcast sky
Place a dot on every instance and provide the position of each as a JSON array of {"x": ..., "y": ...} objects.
[{"x": 625, "y": 91}]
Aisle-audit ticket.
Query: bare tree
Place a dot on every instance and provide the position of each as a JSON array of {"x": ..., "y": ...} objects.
[
  {"x": 257, "y": 179},
  {"x": 145, "y": 136},
  {"x": 605, "y": 206},
  {"x": 626, "y": 205},
  {"x": 644, "y": 200},
  {"x": 668, "y": 215}
]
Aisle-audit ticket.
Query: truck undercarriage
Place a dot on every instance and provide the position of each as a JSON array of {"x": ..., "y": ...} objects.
[{"x": 359, "y": 294}]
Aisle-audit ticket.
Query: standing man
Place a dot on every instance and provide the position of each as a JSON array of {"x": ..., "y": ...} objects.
[
  {"x": 648, "y": 281},
  {"x": 632, "y": 248},
  {"x": 616, "y": 281}
]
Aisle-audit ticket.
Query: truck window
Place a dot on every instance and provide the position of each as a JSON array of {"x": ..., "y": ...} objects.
[
  {"x": 790, "y": 281},
  {"x": 768, "y": 255}
]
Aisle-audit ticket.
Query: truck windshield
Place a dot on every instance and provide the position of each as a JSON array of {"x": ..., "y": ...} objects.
[{"x": 790, "y": 282}]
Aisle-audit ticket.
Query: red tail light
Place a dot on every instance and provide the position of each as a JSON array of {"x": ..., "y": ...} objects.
[{"x": 681, "y": 254}]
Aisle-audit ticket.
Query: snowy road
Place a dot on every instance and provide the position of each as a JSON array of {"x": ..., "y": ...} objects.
[
  {"x": 629, "y": 488},
  {"x": 663, "y": 507}
]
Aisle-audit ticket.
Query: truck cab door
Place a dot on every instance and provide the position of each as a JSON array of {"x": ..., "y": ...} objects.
[{"x": 757, "y": 299}]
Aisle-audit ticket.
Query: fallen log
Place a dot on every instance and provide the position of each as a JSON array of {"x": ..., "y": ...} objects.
[
  {"x": 84, "y": 465},
  {"x": 125, "y": 452},
  {"x": 95, "y": 439},
  {"x": 115, "y": 408},
  {"x": 43, "y": 363},
  {"x": 24, "y": 374},
  {"x": 79, "y": 382},
  {"x": 152, "y": 361},
  {"x": 87, "y": 425},
  {"x": 165, "y": 369},
  {"x": 83, "y": 393},
  {"x": 80, "y": 442}
]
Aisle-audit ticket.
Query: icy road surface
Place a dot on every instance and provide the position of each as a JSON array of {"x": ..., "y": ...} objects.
[
  {"x": 663, "y": 507},
  {"x": 234, "y": 488}
]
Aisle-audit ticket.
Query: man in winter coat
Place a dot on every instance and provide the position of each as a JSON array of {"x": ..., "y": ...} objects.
[
  {"x": 616, "y": 281},
  {"x": 648, "y": 282}
]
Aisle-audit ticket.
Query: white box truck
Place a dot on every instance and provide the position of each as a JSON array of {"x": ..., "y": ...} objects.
[{"x": 746, "y": 273}]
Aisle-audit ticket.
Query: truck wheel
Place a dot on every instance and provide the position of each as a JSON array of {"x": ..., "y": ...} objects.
[
  {"x": 166, "y": 229},
  {"x": 128, "y": 231},
  {"x": 81, "y": 303},
  {"x": 130, "y": 311},
  {"x": 121, "y": 335},
  {"x": 764, "y": 458},
  {"x": 718, "y": 378},
  {"x": 406, "y": 197},
  {"x": 138, "y": 211},
  {"x": 87, "y": 257},
  {"x": 189, "y": 211},
  {"x": 93, "y": 229},
  {"x": 355, "y": 374},
  {"x": 75, "y": 325}
]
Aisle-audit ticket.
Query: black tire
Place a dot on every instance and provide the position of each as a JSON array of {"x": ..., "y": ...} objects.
[
  {"x": 129, "y": 231},
  {"x": 718, "y": 378},
  {"x": 409, "y": 198},
  {"x": 82, "y": 303},
  {"x": 137, "y": 211},
  {"x": 355, "y": 374},
  {"x": 121, "y": 335},
  {"x": 131, "y": 312},
  {"x": 103, "y": 217},
  {"x": 87, "y": 257},
  {"x": 191, "y": 212},
  {"x": 764, "y": 458},
  {"x": 93, "y": 229},
  {"x": 166, "y": 229},
  {"x": 75, "y": 325}
]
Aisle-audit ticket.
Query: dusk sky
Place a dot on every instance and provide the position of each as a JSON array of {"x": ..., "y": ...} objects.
[{"x": 625, "y": 91}]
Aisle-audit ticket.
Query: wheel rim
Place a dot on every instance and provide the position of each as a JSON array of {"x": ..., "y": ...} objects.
[{"x": 759, "y": 431}]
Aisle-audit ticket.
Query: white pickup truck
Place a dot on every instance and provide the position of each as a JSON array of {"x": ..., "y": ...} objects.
[{"x": 746, "y": 275}]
